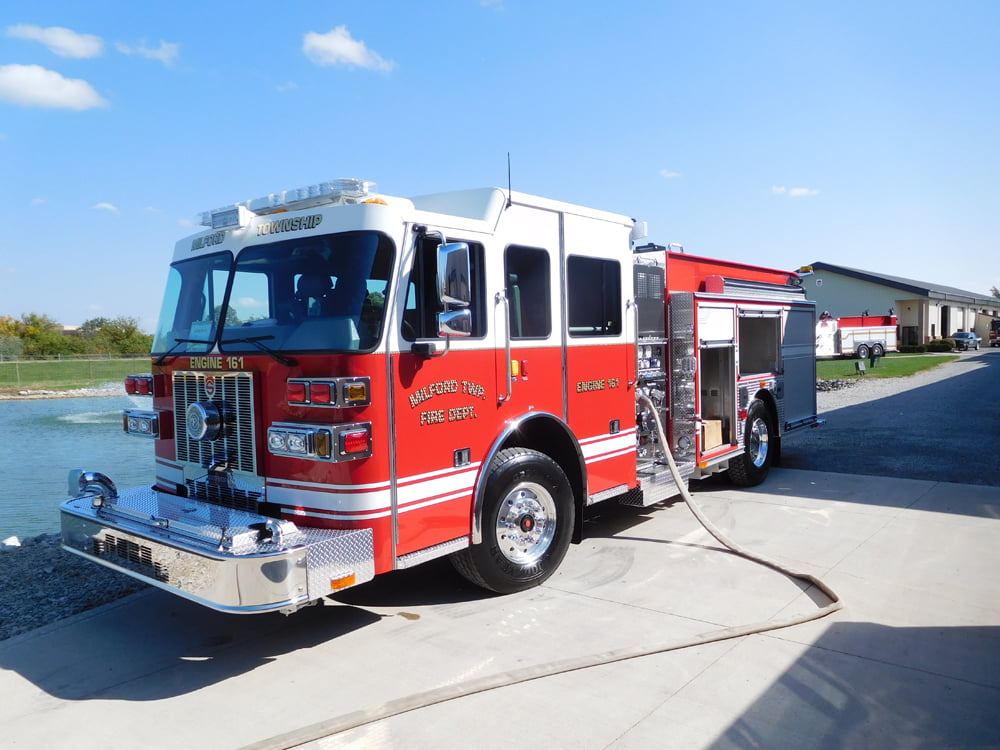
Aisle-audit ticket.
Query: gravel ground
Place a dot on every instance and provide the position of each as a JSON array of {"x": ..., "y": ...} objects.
[
  {"x": 836, "y": 394},
  {"x": 42, "y": 583}
]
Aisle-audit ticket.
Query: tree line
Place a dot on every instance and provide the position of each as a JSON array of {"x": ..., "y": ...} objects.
[{"x": 34, "y": 335}]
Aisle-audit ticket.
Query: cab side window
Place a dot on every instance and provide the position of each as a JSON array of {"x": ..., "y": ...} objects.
[
  {"x": 420, "y": 312},
  {"x": 594, "y": 290},
  {"x": 527, "y": 283}
]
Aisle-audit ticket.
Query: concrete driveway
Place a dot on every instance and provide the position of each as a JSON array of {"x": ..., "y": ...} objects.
[{"x": 913, "y": 659}]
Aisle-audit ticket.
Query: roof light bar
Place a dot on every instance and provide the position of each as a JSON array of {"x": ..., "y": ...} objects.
[
  {"x": 340, "y": 192},
  {"x": 226, "y": 217}
]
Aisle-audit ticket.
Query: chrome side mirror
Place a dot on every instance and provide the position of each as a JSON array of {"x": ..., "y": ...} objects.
[{"x": 454, "y": 275}]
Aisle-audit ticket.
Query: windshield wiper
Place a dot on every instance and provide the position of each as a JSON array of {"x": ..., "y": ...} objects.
[
  {"x": 163, "y": 357},
  {"x": 255, "y": 340}
]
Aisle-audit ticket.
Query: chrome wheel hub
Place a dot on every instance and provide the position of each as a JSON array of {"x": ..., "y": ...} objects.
[
  {"x": 526, "y": 523},
  {"x": 759, "y": 442}
]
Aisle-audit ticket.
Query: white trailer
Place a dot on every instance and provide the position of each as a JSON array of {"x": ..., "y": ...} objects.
[{"x": 858, "y": 336}]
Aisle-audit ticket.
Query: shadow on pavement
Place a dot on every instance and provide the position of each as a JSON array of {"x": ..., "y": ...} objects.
[
  {"x": 945, "y": 431},
  {"x": 154, "y": 645},
  {"x": 865, "y": 685}
]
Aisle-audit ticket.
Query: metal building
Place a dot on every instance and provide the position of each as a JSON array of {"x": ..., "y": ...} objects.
[{"x": 925, "y": 310}]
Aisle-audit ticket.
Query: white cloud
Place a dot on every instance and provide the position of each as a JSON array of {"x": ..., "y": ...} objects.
[
  {"x": 668, "y": 175},
  {"x": 110, "y": 207},
  {"x": 166, "y": 53},
  {"x": 63, "y": 42},
  {"x": 38, "y": 201},
  {"x": 283, "y": 87},
  {"x": 338, "y": 47},
  {"x": 795, "y": 192},
  {"x": 185, "y": 222},
  {"x": 35, "y": 86},
  {"x": 495, "y": 4}
]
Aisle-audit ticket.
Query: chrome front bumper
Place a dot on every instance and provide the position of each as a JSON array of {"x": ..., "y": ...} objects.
[{"x": 229, "y": 560}]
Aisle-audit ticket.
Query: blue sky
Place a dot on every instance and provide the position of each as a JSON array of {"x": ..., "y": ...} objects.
[{"x": 779, "y": 133}]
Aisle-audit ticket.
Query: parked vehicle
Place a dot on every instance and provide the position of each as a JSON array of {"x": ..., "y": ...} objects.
[
  {"x": 858, "y": 336},
  {"x": 346, "y": 383},
  {"x": 966, "y": 340}
]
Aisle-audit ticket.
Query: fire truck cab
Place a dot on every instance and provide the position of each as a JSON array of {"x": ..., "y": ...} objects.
[{"x": 345, "y": 383}]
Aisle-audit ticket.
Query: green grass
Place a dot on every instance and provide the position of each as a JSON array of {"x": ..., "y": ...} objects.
[
  {"x": 891, "y": 366},
  {"x": 64, "y": 374}
]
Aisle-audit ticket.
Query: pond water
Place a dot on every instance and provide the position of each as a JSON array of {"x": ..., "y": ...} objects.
[{"x": 41, "y": 440}]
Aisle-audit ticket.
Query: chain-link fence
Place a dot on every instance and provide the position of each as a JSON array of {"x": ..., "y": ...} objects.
[{"x": 69, "y": 371}]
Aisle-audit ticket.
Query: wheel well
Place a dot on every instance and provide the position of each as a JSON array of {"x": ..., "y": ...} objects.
[{"x": 546, "y": 434}]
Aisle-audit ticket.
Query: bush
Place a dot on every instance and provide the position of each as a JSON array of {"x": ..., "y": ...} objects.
[
  {"x": 912, "y": 349},
  {"x": 941, "y": 345}
]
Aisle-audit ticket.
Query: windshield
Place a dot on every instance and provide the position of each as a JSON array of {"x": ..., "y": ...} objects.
[{"x": 315, "y": 294}]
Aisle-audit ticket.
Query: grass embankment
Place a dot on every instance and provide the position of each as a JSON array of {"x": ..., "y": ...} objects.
[
  {"x": 66, "y": 374},
  {"x": 890, "y": 366}
]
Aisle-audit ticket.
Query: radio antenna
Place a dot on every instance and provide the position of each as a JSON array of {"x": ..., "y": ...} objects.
[{"x": 508, "y": 181}]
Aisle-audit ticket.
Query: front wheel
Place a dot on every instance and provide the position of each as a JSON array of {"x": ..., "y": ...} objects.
[
  {"x": 877, "y": 350},
  {"x": 752, "y": 467},
  {"x": 527, "y": 523},
  {"x": 863, "y": 351}
]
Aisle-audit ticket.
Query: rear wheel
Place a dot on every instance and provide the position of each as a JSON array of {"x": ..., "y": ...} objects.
[
  {"x": 877, "y": 350},
  {"x": 863, "y": 351},
  {"x": 527, "y": 523},
  {"x": 753, "y": 466}
]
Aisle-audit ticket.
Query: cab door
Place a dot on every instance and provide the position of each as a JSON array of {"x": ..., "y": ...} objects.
[
  {"x": 444, "y": 400},
  {"x": 600, "y": 362},
  {"x": 528, "y": 352}
]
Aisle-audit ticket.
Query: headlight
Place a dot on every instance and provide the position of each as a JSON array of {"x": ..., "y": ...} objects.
[
  {"x": 343, "y": 442},
  {"x": 142, "y": 423}
]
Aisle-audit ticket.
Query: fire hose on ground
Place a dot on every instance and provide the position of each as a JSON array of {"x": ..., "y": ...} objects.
[{"x": 445, "y": 693}]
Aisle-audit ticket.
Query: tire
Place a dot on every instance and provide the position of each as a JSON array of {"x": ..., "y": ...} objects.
[
  {"x": 862, "y": 351},
  {"x": 527, "y": 523},
  {"x": 877, "y": 350},
  {"x": 751, "y": 468}
]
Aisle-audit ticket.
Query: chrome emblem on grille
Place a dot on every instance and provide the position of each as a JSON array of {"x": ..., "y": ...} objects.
[
  {"x": 210, "y": 386},
  {"x": 204, "y": 421}
]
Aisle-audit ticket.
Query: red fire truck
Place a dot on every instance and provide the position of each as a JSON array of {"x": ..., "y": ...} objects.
[{"x": 345, "y": 383}]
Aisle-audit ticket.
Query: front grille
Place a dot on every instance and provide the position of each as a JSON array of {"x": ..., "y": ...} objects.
[
  {"x": 233, "y": 393},
  {"x": 224, "y": 495}
]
